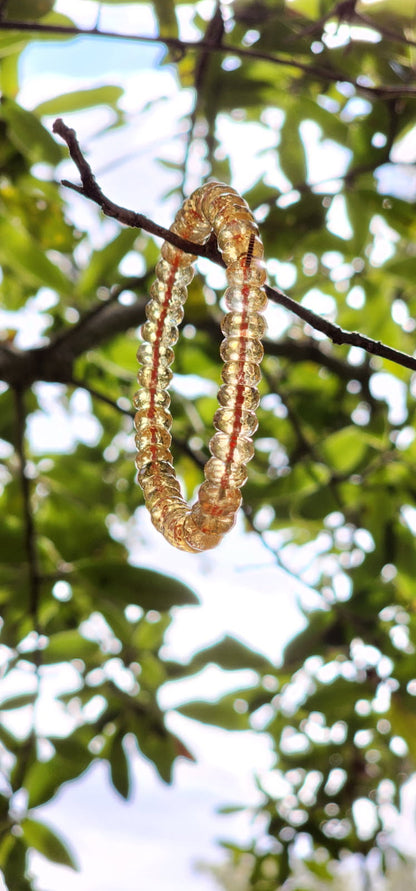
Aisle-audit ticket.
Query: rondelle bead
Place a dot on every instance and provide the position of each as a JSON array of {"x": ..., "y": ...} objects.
[
  {"x": 244, "y": 324},
  {"x": 231, "y": 395},
  {"x": 237, "y": 349},
  {"x": 149, "y": 398},
  {"x": 175, "y": 256},
  {"x": 147, "y": 354},
  {"x": 166, "y": 332},
  {"x": 247, "y": 299},
  {"x": 147, "y": 378},
  {"x": 216, "y": 499},
  {"x": 152, "y": 435},
  {"x": 200, "y": 534},
  {"x": 234, "y": 246},
  {"x": 225, "y": 421},
  {"x": 168, "y": 273},
  {"x": 153, "y": 453},
  {"x": 240, "y": 274},
  {"x": 157, "y": 415},
  {"x": 231, "y": 475},
  {"x": 240, "y": 449},
  {"x": 162, "y": 472},
  {"x": 247, "y": 373}
]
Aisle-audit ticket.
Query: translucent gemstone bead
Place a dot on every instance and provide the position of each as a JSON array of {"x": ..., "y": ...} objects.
[
  {"x": 163, "y": 508},
  {"x": 145, "y": 398},
  {"x": 233, "y": 394},
  {"x": 206, "y": 201},
  {"x": 152, "y": 435},
  {"x": 146, "y": 354},
  {"x": 239, "y": 450},
  {"x": 211, "y": 524},
  {"x": 251, "y": 298},
  {"x": 167, "y": 331},
  {"x": 157, "y": 415},
  {"x": 234, "y": 349},
  {"x": 240, "y": 274},
  {"x": 228, "y": 215},
  {"x": 216, "y": 500},
  {"x": 173, "y": 530},
  {"x": 154, "y": 484},
  {"x": 247, "y": 373},
  {"x": 232, "y": 474},
  {"x": 160, "y": 293},
  {"x": 202, "y": 538},
  {"x": 153, "y": 453},
  {"x": 234, "y": 246},
  {"x": 219, "y": 203},
  {"x": 167, "y": 273},
  {"x": 160, "y": 472},
  {"x": 221, "y": 524},
  {"x": 248, "y": 324},
  {"x": 190, "y": 225},
  {"x": 158, "y": 313},
  {"x": 146, "y": 379},
  {"x": 175, "y": 256},
  {"x": 225, "y": 421}
]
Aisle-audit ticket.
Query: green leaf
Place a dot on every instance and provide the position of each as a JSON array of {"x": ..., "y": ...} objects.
[
  {"x": 292, "y": 151},
  {"x": 79, "y": 100},
  {"x": 20, "y": 252},
  {"x": 220, "y": 714},
  {"x": 13, "y": 860},
  {"x": 41, "y": 837},
  {"x": 29, "y": 135},
  {"x": 70, "y": 644},
  {"x": 231, "y": 655},
  {"x": 19, "y": 701},
  {"x": 27, "y": 10},
  {"x": 166, "y": 16},
  {"x": 345, "y": 449},
  {"x": 44, "y": 779},
  {"x": 102, "y": 265},
  {"x": 119, "y": 767},
  {"x": 402, "y": 715},
  {"x": 126, "y": 584}
]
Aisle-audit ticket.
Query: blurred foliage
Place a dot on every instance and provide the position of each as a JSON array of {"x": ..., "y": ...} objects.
[{"x": 332, "y": 484}]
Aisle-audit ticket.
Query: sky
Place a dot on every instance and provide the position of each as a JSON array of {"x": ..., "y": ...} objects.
[{"x": 163, "y": 831}]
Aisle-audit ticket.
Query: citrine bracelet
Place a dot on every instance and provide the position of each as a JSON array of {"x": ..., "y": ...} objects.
[{"x": 217, "y": 208}]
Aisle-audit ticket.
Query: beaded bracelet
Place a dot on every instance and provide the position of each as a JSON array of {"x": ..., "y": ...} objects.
[{"x": 217, "y": 208}]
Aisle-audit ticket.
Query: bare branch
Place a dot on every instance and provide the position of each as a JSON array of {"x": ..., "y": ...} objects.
[
  {"x": 90, "y": 189},
  {"x": 319, "y": 72}
]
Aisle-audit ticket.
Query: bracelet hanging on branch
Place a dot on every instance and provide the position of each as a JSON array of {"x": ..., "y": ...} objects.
[
  {"x": 215, "y": 208},
  {"x": 90, "y": 189}
]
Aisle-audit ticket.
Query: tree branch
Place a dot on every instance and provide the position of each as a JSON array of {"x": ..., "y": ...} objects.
[
  {"x": 90, "y": 189},
  {"x": 321, "y": 73}
]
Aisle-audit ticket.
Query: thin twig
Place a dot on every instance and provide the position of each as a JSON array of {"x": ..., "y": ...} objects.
[
  {"x": 90, "y": 189},
  {"x": 97, "y": 394}
]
